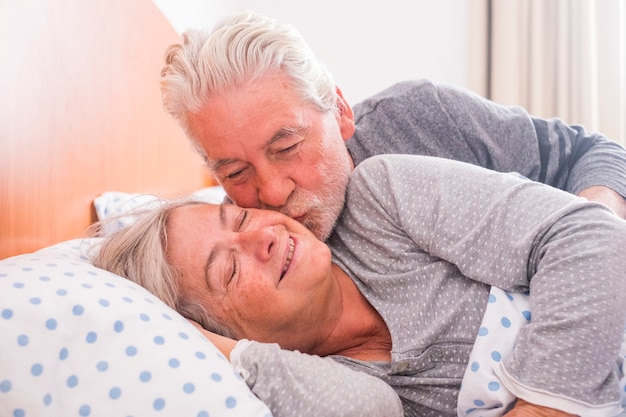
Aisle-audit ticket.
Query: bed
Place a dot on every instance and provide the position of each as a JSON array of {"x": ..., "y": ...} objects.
[
  {"x": 82, "y": 122},
  {"x": 84, "y": 138}
]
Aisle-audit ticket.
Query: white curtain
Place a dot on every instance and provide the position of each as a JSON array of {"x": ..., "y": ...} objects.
[{"x": 561, "y": 58}]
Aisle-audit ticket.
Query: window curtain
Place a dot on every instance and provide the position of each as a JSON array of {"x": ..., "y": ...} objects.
[{"x": 560, "y": 58}]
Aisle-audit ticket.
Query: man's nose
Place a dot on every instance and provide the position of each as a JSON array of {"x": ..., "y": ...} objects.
[{"x": 274, "y": 188}]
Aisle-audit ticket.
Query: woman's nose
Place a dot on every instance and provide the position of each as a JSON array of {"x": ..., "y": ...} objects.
[{"x": 261, "y": 242}]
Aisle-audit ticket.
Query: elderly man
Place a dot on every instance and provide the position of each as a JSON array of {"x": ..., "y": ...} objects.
[{"x": 277, "y": 132}]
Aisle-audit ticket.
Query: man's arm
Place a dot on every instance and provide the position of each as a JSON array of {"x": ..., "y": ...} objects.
[
  {"x": 606, "y": 196},
  {"x": 423, "y": 118}
]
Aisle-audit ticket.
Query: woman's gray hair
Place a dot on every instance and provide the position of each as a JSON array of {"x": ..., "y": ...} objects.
[
  {"x": 243, "y": 47},
  {"x": 139, "y": 253}
]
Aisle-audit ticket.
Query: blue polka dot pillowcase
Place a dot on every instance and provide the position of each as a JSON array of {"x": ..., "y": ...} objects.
[{"x": 79, "y": 341}]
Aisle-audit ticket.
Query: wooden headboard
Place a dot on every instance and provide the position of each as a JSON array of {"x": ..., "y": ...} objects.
[{"x": 81, "y": 114}]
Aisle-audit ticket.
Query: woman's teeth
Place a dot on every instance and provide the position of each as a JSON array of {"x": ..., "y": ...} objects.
[{"x": 289, "y": 255}]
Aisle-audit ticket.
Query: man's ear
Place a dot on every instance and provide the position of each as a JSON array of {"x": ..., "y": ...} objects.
[{"x": 345, "y": 116}]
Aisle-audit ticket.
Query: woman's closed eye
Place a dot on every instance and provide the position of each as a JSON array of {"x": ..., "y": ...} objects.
[
  {"x": 242, "y": 219},
  {"x": 232, "y": 270}
]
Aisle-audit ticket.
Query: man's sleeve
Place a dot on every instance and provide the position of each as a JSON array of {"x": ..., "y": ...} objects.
[{"x": 422, "y": 118}]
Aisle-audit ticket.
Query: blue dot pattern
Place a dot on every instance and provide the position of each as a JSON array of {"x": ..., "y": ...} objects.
[
  {"x": 482, "y": 393},
  {"x": 79, "y": 341}
]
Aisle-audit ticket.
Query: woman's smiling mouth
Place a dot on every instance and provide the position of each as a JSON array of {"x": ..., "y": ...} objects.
[{"x": 290, "y": 250}]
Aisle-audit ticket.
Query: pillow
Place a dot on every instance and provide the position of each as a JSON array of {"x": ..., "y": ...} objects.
[
  {"x": 118, "y": 204},
  {"x": 80, "y": 341}
]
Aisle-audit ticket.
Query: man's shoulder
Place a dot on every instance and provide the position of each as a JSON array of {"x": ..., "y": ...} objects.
[
  {"x": 399, "y": 89},
  {"x": 417, "y": 96}
]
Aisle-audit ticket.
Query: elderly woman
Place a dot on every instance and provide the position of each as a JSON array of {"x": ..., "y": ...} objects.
[{"x": 400, "y": 291}]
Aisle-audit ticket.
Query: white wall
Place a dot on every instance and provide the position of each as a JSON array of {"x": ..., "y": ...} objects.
[{"x": 367, "y": 45}]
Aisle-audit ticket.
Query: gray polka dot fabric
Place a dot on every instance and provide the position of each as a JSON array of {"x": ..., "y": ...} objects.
[{"x": 425, "y": 238}]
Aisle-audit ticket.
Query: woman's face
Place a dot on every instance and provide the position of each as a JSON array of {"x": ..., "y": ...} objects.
[{"x": 262, "y": 273}]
